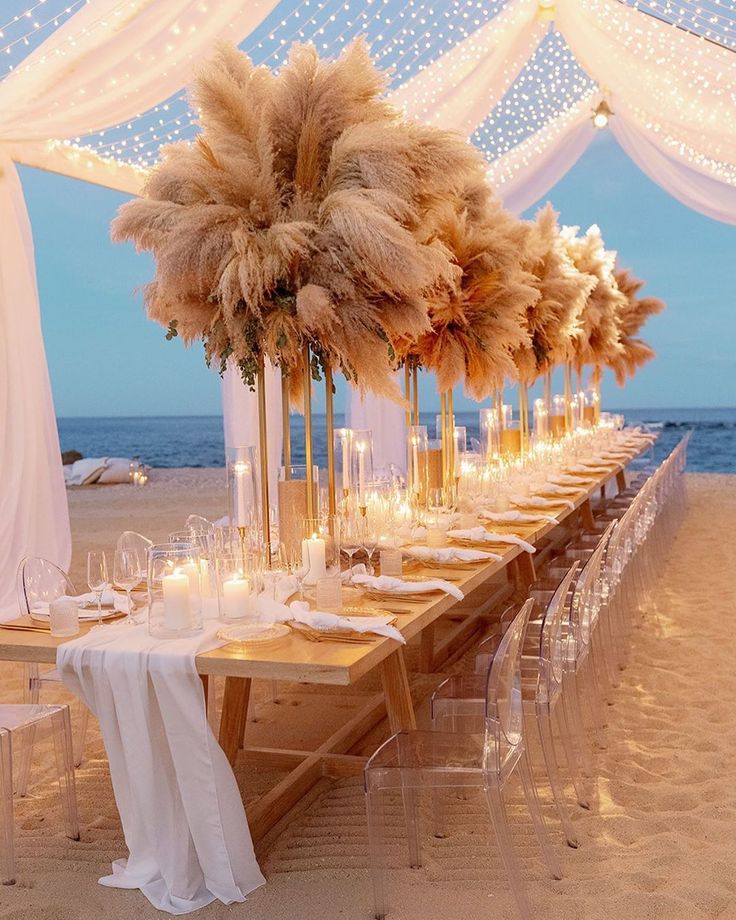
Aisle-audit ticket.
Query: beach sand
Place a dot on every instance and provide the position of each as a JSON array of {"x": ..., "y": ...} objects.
[{"x": 656, "y": 845}]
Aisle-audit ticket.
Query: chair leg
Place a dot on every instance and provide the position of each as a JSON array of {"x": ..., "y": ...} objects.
[
  {"x": 81, "y": 735},
  {"x": 61, "y": 726},
  {"x": 376, "y": 849},
  {"x": 7, "y": 840},
  {"x": 535, "y": 810},
  {"x": 571, "y": 703},
  {"x": 500, "y": 822},
  {"x": 571, "y": 756},
  {"x": 411, "y": 812},
  {"x": 548, "y": 750},
  {"x": 31, "y": 688}
]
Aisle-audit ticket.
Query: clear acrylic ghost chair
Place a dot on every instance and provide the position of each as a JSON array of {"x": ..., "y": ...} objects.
[
  {"x": 430, "y": 760},
  {"x": 135, "y": 542},
  {"x": 39, "y": 580},
  {"x": 543, "y": 665},
  {"x": 20, "y": 719}
]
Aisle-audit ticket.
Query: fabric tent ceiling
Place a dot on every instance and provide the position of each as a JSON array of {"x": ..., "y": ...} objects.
[{"x": 95, "y": 89}]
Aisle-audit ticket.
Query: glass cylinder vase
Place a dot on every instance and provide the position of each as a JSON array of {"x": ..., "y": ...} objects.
[
  {"x": 244, "y": 501},
  {"x": 238, "y": 582},
  {"x": 292, "y": 490},
  {"x": 320, "y": 548},
  {"x": 490, "y": 434},
  {"x": 361, "y": 467},
  {"x": 174, "y": 594}
]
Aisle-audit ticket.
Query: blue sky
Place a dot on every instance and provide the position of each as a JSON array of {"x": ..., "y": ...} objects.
[{"x": 106, "y": 358}]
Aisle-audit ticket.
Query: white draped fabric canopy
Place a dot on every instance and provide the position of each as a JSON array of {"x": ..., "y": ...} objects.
[{"x": 97, "y": 96}]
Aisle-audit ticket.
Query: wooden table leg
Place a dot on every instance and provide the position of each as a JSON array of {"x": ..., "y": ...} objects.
[
  {"x": 205, "y": 678},
  {"x": 621, "y": 480},
  {"x": 234, "y": 714},
  {"x": 586, "y": 515},
  {"x": 426, "y": 650},
  {"x": 527, "y": 572},
  {"x": 396, "y": 690}
]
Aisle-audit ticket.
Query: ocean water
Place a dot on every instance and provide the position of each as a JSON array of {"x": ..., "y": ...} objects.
[{"x": 198, "y": 440}]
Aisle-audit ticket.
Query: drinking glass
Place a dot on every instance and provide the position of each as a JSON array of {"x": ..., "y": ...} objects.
[
  {"x": 349, "y": 538},
  {"x": 97, "y": 579},
  {"x": 369, "y": 538},
  {"x": 126, "y": 574}
]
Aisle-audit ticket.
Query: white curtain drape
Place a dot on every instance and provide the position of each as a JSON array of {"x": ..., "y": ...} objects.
[
  {"x": 458, "y": 90},
  {"x": 387, "y": 421},
  {"x": 109, "y": 61}
]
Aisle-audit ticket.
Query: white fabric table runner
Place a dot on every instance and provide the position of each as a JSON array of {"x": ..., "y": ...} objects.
[{"x": 182, "y": 814}]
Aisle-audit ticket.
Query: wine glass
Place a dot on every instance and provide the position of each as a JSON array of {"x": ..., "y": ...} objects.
[
  {"x": 126, "y": 574},
  {"x": 369, "y": 537},
  {"x": 349, "y": 539},
  {"x": 97, "y": 579}
]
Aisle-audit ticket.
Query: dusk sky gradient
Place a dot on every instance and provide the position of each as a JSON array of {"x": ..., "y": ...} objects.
[{"x": 107, "y": 359}]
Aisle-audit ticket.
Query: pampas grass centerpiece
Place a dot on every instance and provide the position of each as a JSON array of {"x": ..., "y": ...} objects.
[{"x": 297, "y": 218}]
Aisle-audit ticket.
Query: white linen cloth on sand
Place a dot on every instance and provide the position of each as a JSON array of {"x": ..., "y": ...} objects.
[{"x": 182, "y": 814}]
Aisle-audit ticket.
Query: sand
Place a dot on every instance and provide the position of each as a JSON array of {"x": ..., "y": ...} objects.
[{"x": 657, "y": 843}]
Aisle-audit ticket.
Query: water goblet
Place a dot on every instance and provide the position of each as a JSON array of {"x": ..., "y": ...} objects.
[
  {"x": 97, "y": 579},
  {"x": 126, "y": 574}
]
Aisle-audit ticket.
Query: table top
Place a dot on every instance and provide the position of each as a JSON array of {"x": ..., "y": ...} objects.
[{"x": 299, "y": 660}]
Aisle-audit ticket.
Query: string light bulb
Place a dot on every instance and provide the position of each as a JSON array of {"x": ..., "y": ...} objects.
[{"x": 602, "y": 114}]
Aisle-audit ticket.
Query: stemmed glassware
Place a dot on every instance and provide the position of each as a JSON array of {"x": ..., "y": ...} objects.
[
  {"x": 97, "y": 579},
  {"x": 350, "y": 535},
  {"x": 126, "y": 574},
  {"x": 369, "y": 537}
]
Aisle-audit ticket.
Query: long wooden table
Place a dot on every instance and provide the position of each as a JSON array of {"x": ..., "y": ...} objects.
[{"x": 298, "y": 660}]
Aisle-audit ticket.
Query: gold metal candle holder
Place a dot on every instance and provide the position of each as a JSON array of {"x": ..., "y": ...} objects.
[
  {"x": 308, "y": 431},
  {"x": 330, "y": 425},
  {"x": 263, "y": 455}
]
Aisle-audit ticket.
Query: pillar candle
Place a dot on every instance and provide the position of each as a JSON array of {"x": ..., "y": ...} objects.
[
  {"x": 315, "y": 550},
  {"x": 177, "y": 607},
  {"x": 191, "y": 570},
  {"x": 345, "y": 464},
  {"x": 236, "y": 597},
  {"x": 241, "y": 506}
]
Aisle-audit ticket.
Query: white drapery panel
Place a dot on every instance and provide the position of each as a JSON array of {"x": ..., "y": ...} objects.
[
  {"x": 693, "y": 188},
  {"x": 528, "y": 172},
  {"x": 387, "y": 421},
  {"x": 107, "y": 62},
  {"x": 459, "y": 89},
  {"x": 240, "y": 418},
  {"x": 669, "y": 80},
  {"x": 33, "y": 510}
]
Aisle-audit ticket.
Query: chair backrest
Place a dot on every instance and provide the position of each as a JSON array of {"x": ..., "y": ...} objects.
[
  {"x": 504, "y": 710},
  {"x": 588, "y": 595},
  {"x": 41, "y": 581},
  {"x": 199, "y": 524},
  {"x": 553, "y": 641},
  {"x": 131, "y": 541}
]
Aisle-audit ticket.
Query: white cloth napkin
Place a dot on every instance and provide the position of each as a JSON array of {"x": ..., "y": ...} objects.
[
  {"x": 535, "y": 501},
  {"x": 110, "y": 599},
  {"x": 180, "y": 807},
  {"x": 451, "y": 554},
  {"x": 317, "y": 619},
  {"x": 562, "y": 479},
  {"x": 390, "y": 585},
  {"x": 551, "y": 489},
  {"x": 513, "y": 516},
  {"x": 481, "y": 535}
]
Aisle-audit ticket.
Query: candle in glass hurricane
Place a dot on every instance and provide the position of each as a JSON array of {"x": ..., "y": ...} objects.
[
  {"x": 236, "y": 597},
  {"x": 362, "y": 471},
  {"x": 314, "y": 559},
  {"x": 177, "y": 607}
]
